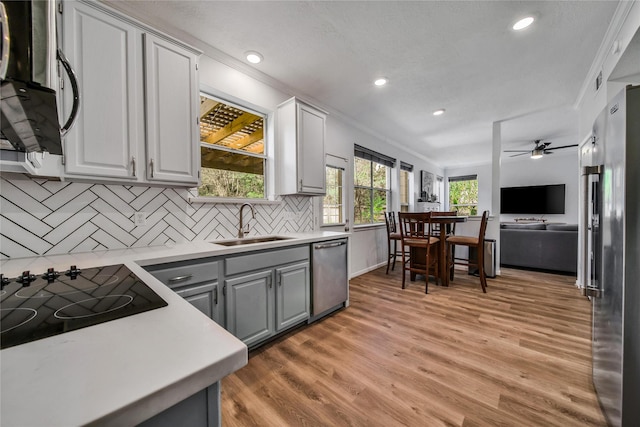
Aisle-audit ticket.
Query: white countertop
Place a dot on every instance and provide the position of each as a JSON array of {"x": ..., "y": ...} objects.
[{"x": 126, "y": 370}]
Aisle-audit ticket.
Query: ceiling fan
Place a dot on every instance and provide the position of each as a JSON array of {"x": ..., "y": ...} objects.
[{"x": 539, "y": 150}]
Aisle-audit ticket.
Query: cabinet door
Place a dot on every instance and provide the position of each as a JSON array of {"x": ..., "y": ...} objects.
[
  {"x": 249, "y": 306},
  {"x": 173, "y": 151},
  {"x": 106, "y": 58},
  {"x": 292, "y": 295},
  {"x": 205, "y": 298},
  {"x": 311, "y": 133}
]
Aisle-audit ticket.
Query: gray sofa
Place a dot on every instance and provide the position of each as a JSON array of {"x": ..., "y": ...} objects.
[{"x": 540, "y": 246}]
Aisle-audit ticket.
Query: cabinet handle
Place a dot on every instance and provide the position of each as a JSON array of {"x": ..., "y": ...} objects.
[
  {"x": 280, "y": 279},
  {"x": 181, "y": 278},
  {"x": 133, "y": 166},
  {"x": 151, "y": 165},
  {"x": 215, "y": 295},
  {"x": 269, "y": 282}
]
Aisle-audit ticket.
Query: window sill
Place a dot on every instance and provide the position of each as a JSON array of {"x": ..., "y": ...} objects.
[
  {"x": 365, "y": 227},
  {"x": 233, "y": 201}
]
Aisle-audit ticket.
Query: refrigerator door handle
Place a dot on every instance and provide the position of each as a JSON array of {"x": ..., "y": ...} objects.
[{"x": 591, "y": 220}]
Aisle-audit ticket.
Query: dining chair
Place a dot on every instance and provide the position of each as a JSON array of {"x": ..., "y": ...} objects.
[
  {"x": 393, "y": 235},
  {"x": 416, "y": 235},
  {"x": 471, "y": 242}
]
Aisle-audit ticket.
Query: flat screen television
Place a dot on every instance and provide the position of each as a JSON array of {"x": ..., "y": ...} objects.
[{"x": 536, "y": 199}]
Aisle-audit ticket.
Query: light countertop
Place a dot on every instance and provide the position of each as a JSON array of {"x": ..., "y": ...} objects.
[{"x": 126, "y": 370}]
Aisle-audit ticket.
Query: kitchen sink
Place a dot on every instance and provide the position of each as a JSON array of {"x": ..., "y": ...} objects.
[{"x": 250, "y": 241}]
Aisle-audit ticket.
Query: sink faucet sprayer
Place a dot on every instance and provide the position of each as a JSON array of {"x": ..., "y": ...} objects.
[{"x": 241, "y": 228}]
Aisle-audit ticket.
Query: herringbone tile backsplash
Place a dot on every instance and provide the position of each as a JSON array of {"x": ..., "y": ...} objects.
[{"x": 43, "y": 217}]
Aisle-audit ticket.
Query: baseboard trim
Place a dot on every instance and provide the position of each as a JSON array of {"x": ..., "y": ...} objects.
[{"x": 366, "y": 270}]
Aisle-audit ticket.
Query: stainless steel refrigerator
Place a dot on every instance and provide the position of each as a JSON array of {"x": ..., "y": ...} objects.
[{"x": 611, "y": 204}]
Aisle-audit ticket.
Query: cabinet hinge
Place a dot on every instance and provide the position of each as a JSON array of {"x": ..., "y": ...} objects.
[
  {"x": 59, "y": 7},
  {"x": 196, "y": 65}
]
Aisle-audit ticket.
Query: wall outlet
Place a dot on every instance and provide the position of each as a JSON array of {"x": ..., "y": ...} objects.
[{"x": 140, "y": 219}]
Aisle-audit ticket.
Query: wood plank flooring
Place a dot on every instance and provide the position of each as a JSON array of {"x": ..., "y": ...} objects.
[{"x": 519, "y": 355}]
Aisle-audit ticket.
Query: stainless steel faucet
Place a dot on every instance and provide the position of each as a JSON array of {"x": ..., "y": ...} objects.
[{"x": 241, "y": 229}]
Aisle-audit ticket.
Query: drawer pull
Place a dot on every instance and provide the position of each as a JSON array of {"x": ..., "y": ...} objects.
[{"x": 181, "y": 278}]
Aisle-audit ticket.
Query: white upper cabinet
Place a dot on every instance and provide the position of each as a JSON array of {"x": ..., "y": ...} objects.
[
  {"x": 173, "y": 152},
  {"x": 102, "y": 50},
  {"x": 138, "y": 119},
  {"x": 300, "y": 136}
]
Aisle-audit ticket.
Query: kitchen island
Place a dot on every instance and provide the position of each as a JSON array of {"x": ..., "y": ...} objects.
[{"x": 128, "y": 370}]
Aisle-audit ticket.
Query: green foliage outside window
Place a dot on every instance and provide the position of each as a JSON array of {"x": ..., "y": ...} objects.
[
  {"x": 371, "y": 191},
  {"x": 224, "y": 183},
  {"x": 463, "y": 197}
]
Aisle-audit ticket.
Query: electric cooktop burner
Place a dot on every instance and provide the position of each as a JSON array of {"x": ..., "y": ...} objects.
[{"x": 33, "y": 307}]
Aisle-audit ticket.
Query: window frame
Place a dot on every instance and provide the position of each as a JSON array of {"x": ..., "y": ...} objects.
[
  {"x": 342, "y": 201},
  {"x": 266, "y": 156},
  {"x": 405, "y": 168},
  {"x": 372, "y": 189},
  {"x": 462, "y": 178}
]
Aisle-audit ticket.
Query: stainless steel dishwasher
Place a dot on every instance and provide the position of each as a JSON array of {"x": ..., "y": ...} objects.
[{"x": 329, "y": 272}]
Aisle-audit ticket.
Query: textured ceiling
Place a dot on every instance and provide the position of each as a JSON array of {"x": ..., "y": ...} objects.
[{"x": 458, "y": 55}]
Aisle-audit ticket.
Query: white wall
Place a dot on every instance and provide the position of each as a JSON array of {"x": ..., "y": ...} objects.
[
  {"x": 592, "y": 102},
  {"x": 559, "y": 168}
]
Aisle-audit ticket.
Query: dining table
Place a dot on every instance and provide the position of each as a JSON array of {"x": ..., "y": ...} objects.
[{"x": 445, "y": 222}]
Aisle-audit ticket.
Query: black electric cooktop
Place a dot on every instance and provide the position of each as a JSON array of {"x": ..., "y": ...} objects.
[{"x": 33, "y": 306}]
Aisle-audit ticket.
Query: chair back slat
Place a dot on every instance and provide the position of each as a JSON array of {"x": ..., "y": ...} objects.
[
  {"x": 483, "y": 226},
  {"x": 415, "y": 225},
  {"x": 390, "y": 221}
]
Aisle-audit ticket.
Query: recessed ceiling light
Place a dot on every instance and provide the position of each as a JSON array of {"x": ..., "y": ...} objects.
[
  {"x": 523, "y": 23},
  {"x": 439, "y": 112},
  {"x": 254, "y": 57},
  {"x": 381, "y": 81}
]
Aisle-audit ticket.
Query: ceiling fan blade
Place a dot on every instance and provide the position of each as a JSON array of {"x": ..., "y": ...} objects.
[
  {"x": 522, "y": 154},
  {"x": 564, "y": 146},
  {"x": 548, "y": 152},
  {"x": 516, "y": 151}
]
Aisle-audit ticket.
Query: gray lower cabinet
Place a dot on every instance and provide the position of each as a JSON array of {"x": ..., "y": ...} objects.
[
  {"x": 266, "y": 293},
  {"x": 249, "y": 306},
  {"x": 204, "y": 297},
  {"x": 197, "y": 282},
  {"x": 292, "y": 295}
]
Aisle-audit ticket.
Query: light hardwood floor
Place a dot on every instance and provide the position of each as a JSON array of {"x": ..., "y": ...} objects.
[{"x": 519, "y": 355}]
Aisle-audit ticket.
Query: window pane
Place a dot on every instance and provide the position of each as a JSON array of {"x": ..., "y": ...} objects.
[
  {"x": 222, "y": 183},
  {"x": 463, "y": 192},
  {"x": 231, "y": 152},
  {"x": 379, "y": 205},
  {"x": 463, "y": 196},
  {"x": 231, "y": 127},
  {"x": 362, "y": 206},
  {"x": 332, "y": 203},
  {"x": 362, "y": 175},
  {"x": 380, "y": 173},
  {"x": 404, "y": 188}
]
